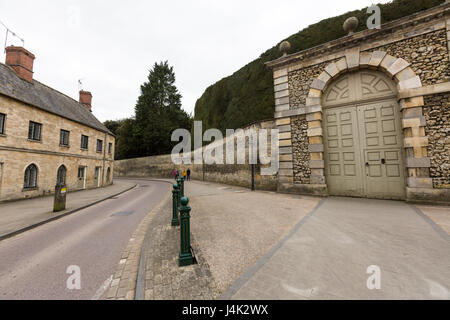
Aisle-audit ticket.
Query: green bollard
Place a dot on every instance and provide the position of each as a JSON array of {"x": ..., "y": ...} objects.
[
  {"x": 186, "y": 258},
  {"x": 175, "y": 198},
  {"x": 179, "y": 193},
  {"x": 182, "y": 187}
]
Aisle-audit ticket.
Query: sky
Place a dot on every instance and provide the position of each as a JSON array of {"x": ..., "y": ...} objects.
[{"x": 112, "y": 45}]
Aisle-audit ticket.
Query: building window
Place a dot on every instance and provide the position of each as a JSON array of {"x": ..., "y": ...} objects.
[
  {"x": 61, "y": 176},
  {"x": 2, "y": 123},
  {"x": 34, "y": 131},
  {"x": 99, "y": 145},
  {"x": 30, "y": 180},
  {"x": 84, "y": 142},
  {"x": 110, "y": 148},
  {"x": 64, "y": 138}
]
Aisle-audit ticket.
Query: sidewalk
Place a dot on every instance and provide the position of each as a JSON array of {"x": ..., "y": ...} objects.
[
  {"x": 229, "y": 232},
  {"x": 17, "y": 215}
]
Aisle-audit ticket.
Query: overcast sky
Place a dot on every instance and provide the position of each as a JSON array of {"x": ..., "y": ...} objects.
[{"x": 111, "y": 45}]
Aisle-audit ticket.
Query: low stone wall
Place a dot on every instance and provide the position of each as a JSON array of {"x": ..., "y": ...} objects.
[{"x": 163, "y": 167}]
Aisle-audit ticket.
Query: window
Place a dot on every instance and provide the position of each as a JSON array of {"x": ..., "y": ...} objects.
[
  {"x": 30, "y": 180},
  {"x": 2, "y": 123},
  {"x": 34, "y": 131},
  {"x": 84, "y": 142},
  {"x": 81, "y": 171},
  {"x": 61, "y": 176},
  {"x": 110, "y": 148},
  {"x": 64, "y": 138},
  {"x": 99, "y": 145}
]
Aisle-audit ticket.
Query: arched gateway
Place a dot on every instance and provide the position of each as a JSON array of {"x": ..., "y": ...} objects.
[{"x": 363, "y": 137}]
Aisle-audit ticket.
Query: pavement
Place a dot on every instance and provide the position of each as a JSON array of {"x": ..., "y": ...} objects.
[
  {"x": 40, "y": 263},
  {"x": 22, "y": 214},
  {"x": 263, "y": 245},
  {"x": 335, "y": 250}
]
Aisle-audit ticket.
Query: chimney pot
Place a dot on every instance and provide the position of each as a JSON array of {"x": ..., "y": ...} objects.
[
  {"x": 86, "y": 99},
  {"x": 21, "y": 60}
]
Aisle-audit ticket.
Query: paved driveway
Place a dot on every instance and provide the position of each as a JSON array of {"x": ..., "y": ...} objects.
[{"x": 327, "y": 254}]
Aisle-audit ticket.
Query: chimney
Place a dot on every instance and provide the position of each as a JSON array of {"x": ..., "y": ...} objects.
[
  {"x": 21, "y": 60},
  {"x": 86, "y": 99}
]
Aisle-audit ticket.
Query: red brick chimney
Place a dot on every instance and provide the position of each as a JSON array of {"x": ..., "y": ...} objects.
[
  {"x": 21, "y": 60},
  {"x": 86, "y": 99}
]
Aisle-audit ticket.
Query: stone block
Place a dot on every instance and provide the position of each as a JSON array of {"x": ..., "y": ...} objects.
[
  {"x": 414, "y": 122},
  {"x": 342, "y": 65},
  {"x": 414, "y": 182},
  {"x": 315, "y": 124},
  {"x": 315, "y": 93},
  {"x": 405, "y": 74},
  {"x": 285, "y": 135},
  {"x": 411, "y": 83},
  {"x": 280, "y": 101},
  {"x": 352, "y": 57},
  {"x": 364, "y": 59},
  {"x": 280, "y": 73},
  {"x": 317, "y": 164},
  {"x": 313, "y": 109},
  {"x": 412, "y": 102},
  {"x": 312, "y": 101},
  {"x": 286, "y": 157},
  {"x": 318, "y": 84},
  {"x": 282, "y": 107},
  {"x": 286, "y": 179},
  {"x": 286, "y": 165},
  {"x": 285, "y": 128},
  {"x": 285, "y": 143},
  {"x": 281, "y": 87},
  {"x": 282, "y": 122},
  {"x": 286, "y": 172},
  {"x": 416, "y": 142},
  {"x": 317, "y": 179},
  {"x": 315, "y": 147},
  {"x": 424, "y": 162},
  {"x": 332, "y": 70},
  {"x": 313, "y": 132},
  {"x": 285, "y": 150},
  {"x": 377, "y": 57},
  {"x": 281, "y": 94},
  {"x": 397, "y": 66},
  {"x": 281, "y": 80},
  {"x": 387, "y": 62},
  {"x": 314, "y": 116},
  {"x": 324, "y": 77}
]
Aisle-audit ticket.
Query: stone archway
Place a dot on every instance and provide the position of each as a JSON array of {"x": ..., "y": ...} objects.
[{"x": 413, "y": 122}]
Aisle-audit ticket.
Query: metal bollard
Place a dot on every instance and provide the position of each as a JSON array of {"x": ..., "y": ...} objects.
[
  {"x": 186, "y": 258},
  {"x": 182, "y": 187},
  {"x": 175, "y": 199},
  {"x": 179, "y": 192}
]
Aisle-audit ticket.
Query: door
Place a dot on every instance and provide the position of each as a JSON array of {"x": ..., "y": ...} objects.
[
  {"x": 363, "y": 137},
  {"x": 382, "y": 149},
  {"x": 81, "y": 177},
  {"x": 97, "y": 176}
]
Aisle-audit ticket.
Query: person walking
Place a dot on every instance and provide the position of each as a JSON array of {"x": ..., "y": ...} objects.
[
  {"x": 189, "y": 174},
  {"x": 184, "y": 175}
]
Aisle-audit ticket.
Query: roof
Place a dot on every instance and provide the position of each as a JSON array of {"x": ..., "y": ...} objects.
[{"x": 43, "y": 97}]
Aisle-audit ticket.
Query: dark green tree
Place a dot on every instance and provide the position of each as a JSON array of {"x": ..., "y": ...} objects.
[{"x": 158, "y": 112}]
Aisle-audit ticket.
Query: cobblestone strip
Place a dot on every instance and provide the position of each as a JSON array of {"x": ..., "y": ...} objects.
[
  {"x": 164, "y": 279},
  {"x": 123, "y": 285}
]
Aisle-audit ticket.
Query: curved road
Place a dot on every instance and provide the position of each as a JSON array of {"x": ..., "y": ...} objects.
[{"x": 33, "y": 264}]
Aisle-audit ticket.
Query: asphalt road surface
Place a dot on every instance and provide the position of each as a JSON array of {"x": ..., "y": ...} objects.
[{"x": 34, "y": 264}]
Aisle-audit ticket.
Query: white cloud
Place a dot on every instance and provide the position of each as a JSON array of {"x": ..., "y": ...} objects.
[{"x": 113, "y": 44}]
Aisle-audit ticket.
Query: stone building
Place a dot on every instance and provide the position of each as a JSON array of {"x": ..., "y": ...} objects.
[
  {"x": 368, "y": 115},
  {"x": 46, "y": 137}
]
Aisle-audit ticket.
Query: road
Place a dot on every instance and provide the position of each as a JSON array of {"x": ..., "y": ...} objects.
[{"x": 33, "y": 265}]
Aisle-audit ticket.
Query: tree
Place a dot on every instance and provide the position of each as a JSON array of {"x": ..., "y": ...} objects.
[{"x": 158, "y": 112}]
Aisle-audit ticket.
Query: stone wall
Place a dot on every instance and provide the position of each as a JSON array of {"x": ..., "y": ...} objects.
[
  {"x": 299, "y": 129},
  {"x": 427, "y": 54},
  {"x": 437, "y": 114},
  {"x": 234, "y": 174}
]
